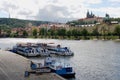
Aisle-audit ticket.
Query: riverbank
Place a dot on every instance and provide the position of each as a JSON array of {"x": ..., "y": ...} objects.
[
  {"x": 71, "y": 37},
  {"x": 78, "y": 37},
  {"x": 13, "y": 66}
]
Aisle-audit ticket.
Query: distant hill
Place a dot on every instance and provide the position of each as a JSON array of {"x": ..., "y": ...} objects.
[{"x": 12, "y": 22}]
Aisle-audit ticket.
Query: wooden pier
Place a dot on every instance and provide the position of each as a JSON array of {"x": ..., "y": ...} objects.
[{"x": 13, "y": 67}]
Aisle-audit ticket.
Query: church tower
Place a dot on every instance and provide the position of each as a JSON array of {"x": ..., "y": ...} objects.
[{"x": 88, "y": 14}]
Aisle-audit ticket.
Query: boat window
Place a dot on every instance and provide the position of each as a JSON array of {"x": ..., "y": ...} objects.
[{"x": 69, "y": 69}]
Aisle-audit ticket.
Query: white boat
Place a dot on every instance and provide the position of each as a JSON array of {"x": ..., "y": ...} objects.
[
  {"x": 27, "y": 51},
  {"x": 30, "y": 50},
  {"x": 43, "y": 52},
  {"x": 41, "y": 49},
  {"x": 63, "y": 51}
]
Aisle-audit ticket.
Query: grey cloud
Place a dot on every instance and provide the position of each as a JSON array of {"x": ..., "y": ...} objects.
[
  {"x": 51, "y": 13},
  {"x": 10, "y": 5},
  {"x": 54, "y": 1},
  {"x": 25, "y": 12},
  {"x": 6, "y": 6}
]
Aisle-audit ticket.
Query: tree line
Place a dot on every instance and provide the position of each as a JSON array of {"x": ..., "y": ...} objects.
[
  {"x": 16, "y": 23},
  {"x": 64, "y": 33}
]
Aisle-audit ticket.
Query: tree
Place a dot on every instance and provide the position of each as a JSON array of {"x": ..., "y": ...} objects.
[
  {"x": 8, "y": 32},
  {"x": 84, "y": 32},
  {"x": 61, "y": 32},
  {"x": 35, "y": 32},
  {"x": 69, "y": 33},
  {"x": 74, "y": 32},
  {"x": 16, "y": 34},
  {"x": 103, "y": 31},
  {"x": 117, "y": 30},
  {"x": 43, "y": 31},
  {"x": 25, "y": 34},
  {"x": 52, "y": 32},
  {"x": 95, "y": 32}
]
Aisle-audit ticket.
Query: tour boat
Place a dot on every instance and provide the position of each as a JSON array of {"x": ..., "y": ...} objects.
[
  {"x": 41, "y": 49},
  {"x": 30, "y": 50},
  {"x": 58, "y": 50}
]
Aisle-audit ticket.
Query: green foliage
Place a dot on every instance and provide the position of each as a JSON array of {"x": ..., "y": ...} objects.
[
  {"x": 75, "y": 32},
  {"x": 12, "y": 23},
  {"x": 69, "y": 33},
  {"x": 95, "y": 32},
  {"x": 117, "y": 30},
  {"x": 43, "y": 31},
  {"x": 115, "y": 19},
  {"x": 35, "y": 32},
  {"x": 84, "y": 32},
  {"x": 101, "y": 31},
  {"x": 51, "y": 32},
  {"x": 25, "y": 34},
  {"x": 4, "y": 27},
  {"x": 61, "y": 32},
  {"x": 73, "y": 23},
  {"x": 15, "y": 34},
  {"x": 107, "y": 20}
]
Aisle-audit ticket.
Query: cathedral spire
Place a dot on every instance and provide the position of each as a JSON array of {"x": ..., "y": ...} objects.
[{"x": 87, "y": 15}]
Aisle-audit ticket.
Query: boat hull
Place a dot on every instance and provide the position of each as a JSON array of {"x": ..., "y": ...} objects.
[
  {"x": 70, "y": 75},
  {"x": 65, "y": 75}
]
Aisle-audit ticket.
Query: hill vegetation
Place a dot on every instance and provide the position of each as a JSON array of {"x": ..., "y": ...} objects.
[
  {"x": 15, "y": 23},
  {"x": 109, "y": 28}
]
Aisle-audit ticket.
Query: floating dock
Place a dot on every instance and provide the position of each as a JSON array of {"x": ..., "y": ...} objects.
[{"x": 13, "y": 67}]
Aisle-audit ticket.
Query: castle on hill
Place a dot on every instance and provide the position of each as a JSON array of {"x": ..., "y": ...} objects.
[
  {"x": 91, "y": 18},
  {"x": 90, "y": 15}
]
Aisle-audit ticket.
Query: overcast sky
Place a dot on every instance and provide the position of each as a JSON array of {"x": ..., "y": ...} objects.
[{"x": 57, "y": 10}]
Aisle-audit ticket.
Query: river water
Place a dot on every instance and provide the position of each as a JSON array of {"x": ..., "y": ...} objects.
[{"x": 92, "y": 60}]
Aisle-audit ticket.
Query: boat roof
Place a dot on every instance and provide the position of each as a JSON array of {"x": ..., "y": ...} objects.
[{"x": 56, "y": 64}]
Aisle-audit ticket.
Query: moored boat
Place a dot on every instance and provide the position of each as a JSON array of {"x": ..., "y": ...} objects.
[
  {"x": 62, "y": 69},
  {"x": 58, "y": 50},
  {"x": 30, "y": 50},
  {"x": 41, "y": 49}
]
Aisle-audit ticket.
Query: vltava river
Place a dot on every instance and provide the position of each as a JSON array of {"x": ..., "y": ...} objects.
[{"x": 92, "y": 60}]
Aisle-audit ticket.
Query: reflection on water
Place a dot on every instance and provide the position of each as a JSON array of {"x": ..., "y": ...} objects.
[{"x": 93, "y": 60}]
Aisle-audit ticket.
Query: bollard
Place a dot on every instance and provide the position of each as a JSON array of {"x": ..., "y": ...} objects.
[{"x": 26, "y": 74}]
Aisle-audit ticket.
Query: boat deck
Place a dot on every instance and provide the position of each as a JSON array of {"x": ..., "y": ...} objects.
[{"x": 13, "y": 67}]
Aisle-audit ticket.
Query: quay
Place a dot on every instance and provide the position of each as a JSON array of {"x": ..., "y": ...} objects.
[{"x": 13, "y": 67}]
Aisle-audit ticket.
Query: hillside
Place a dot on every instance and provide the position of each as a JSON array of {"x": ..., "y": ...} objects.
[
  {"x": 108, "y": 27},
  {"x": 12, "y": 22},
  {"x": 103, "y": 27},
  {"x": 100, "y": 23}
]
